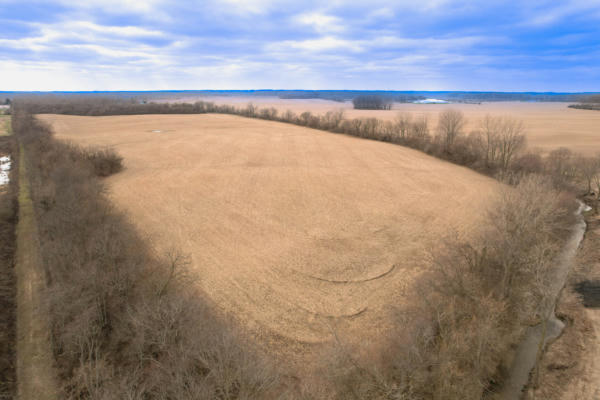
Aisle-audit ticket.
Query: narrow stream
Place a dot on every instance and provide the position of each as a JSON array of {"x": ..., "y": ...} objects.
[{"x": 527, "y": 351}]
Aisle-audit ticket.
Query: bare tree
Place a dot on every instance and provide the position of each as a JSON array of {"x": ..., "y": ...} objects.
[
  {"x": 510, "y": 140},
  {"x": 403, "y": 124},
  {"x": 529, "y": 163},
  {"x": 250, "y": 110},
  {"x": 487, "y": 139},
  {"x": 332, "y": 119},
  {"x": 289, "y": 116},
  {"x": 499, "y": 140},
  {"x": 419, "y": 132},
  {"x": 450, "y": 126},
  {"x": 587, "y": 168},
  {"x": 559, "y": 165}
]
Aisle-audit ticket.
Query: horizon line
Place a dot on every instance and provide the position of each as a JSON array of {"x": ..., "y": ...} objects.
[{"x": 297, "y": 90}]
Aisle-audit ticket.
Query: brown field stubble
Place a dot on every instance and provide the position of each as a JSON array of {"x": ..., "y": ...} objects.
[{"x": 297, "y": 232}]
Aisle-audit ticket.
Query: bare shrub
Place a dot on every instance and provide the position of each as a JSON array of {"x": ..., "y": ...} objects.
[
  {"x": 268, "y": 113},
  {"x": 105, "y": 161},
  {"x": 559, "y": 164},
  {"x": 587, "y": 170},
  {"x": 418, "y": 135},
  {"x": 403, "y": 125},
  {"x": 529, "y": 163},
  {"x": 250, "y": 110},
  {"x": 332, "y": 119}
]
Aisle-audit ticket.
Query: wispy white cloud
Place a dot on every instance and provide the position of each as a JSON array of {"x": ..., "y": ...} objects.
[
  {"x": 149, "y": 8},
  {"x": 320, "y": 22},
  {"x": 431, "y": 44},
  {"x": 549, "y": 13},
  {"x": 325, "y": 43},
  {"x": 122, "y": 31}
]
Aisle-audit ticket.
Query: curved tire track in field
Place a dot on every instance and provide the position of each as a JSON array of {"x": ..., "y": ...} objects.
[{"x": 334, "y": 281}]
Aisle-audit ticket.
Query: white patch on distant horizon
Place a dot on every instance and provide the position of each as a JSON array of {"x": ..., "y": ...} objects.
[
  {"x": 5, "y": 165},
  {"x": 431, "y": 101}
]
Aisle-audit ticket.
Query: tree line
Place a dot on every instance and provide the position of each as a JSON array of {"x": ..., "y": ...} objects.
[
  {"x": 8, "y": 222},
  {"x": 497, "y": 146},
  {"x": 372, "y": 102}
]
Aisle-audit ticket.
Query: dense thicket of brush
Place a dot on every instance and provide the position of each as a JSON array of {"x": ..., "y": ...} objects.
[
  {"x": 455, "y": 336},
  {"x": 126, "y": 323},
  {"x": 103, "y": 160},
  {"x": 8, "y": 221}
]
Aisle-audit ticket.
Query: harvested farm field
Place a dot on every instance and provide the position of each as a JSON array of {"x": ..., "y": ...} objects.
[{"x": 294, "y": 231}]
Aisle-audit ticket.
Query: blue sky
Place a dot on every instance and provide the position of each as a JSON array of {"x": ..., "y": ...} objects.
[{"x": 233, "y": 44}]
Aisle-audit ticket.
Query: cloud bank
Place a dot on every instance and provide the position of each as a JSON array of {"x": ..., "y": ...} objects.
[{"x": 235, "y": 44}]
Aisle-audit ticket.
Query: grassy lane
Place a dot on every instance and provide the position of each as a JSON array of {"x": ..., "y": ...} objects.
[
  {"x": 8, "y": 221},
  {"x": 35, "y": 374}
]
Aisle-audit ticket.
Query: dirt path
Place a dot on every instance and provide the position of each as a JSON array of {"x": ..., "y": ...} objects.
[{"x": 35, "y": 378}]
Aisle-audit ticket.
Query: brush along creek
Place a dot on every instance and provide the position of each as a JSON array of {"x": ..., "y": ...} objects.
[{"x": 540, "y": 335}]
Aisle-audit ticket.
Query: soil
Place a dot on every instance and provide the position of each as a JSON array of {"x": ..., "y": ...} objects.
[{"x": 294, "y": 231}]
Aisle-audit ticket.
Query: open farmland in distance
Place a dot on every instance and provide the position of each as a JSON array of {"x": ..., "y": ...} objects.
[
  {"x": 4, "y": 125},
  {"x": 548, "y": 125},
  {"x": 292, "y": 230}
]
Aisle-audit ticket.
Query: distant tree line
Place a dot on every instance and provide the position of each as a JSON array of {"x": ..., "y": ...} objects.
[
  {"x": 372, "y": 102},
  {"x": 588, "y": 103},
  {"x": 496, "y": 147}
]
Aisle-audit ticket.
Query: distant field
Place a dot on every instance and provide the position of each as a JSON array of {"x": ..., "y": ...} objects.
[
  {"x": 4, "y": 124},
  {"x": 292, "y": 230},
  {"x": 549, "y": 125}
]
